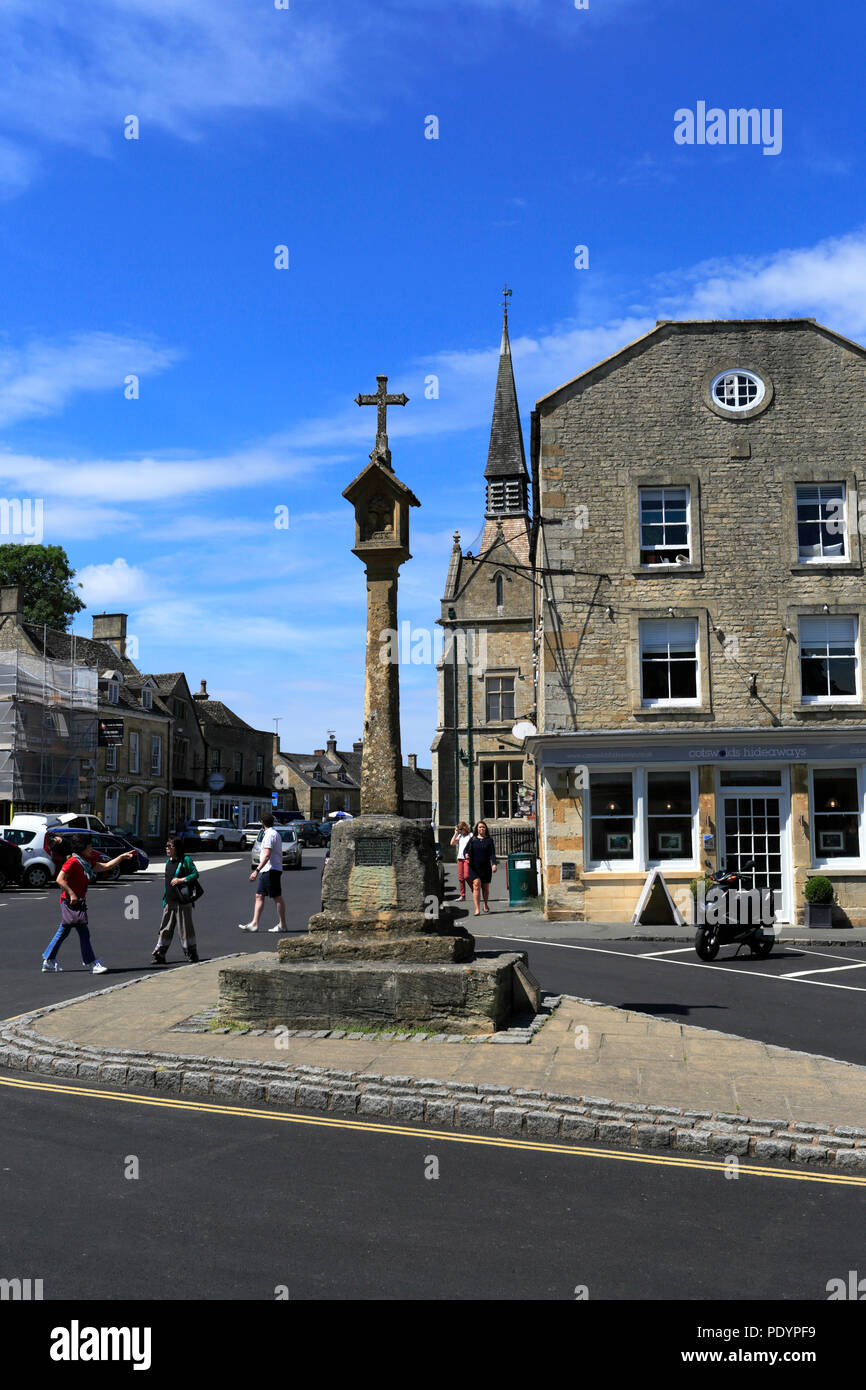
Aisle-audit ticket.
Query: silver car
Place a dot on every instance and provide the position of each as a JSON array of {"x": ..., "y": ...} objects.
[{"x": 292, "y": 852}]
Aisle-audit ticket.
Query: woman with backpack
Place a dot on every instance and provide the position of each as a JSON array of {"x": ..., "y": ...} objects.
[
  {"x": 73, "y": 877},
  {"x": 177, "y": 903}
]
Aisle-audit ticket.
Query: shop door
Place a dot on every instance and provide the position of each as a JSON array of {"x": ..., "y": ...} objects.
[{"x": 754, "y": 828}]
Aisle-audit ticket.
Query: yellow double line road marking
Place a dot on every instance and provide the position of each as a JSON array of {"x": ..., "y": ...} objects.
[{"x": 410, "y": 1132}]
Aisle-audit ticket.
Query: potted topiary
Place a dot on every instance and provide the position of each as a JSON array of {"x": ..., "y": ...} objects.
[{"x": 819, "y": 894}]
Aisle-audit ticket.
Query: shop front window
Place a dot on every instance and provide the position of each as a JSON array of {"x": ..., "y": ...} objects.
[
  {"x": 611, "y": 799},
  {"x": 836, "y": 813},
  {"x": 670, "y": 820}
]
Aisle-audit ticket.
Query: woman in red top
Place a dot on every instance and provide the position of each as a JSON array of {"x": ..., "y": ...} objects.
[{"x": 73, "y": 878}]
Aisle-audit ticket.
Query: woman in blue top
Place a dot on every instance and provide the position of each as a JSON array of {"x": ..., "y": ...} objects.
[{"x": 480, "y": 856}]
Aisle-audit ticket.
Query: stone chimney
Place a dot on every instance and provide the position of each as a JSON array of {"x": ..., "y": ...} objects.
[
  {"x": 12, "y": 602},
  {"x": 202, "y": 693},
  {"x": 332, "y": 744},
  {"x": 318, "y": 752},
  {"x": 358, "y": 746},
  {"x": 412, "y": 760},
  {"x": 110, "y": 627}
]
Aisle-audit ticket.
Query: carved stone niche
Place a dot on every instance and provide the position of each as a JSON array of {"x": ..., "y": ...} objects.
[{"x": 381, "y": 505}]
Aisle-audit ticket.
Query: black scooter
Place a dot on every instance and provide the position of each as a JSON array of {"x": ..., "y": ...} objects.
[{"x": 724, "y": 925}]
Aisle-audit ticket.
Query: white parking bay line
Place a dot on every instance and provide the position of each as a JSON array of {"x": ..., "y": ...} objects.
[
  {"x": 201, "y": 866},
  {"x": 825, "y": 970},
  {"x": 689, "y": 964},
  {"x": 677, "y": 951}
]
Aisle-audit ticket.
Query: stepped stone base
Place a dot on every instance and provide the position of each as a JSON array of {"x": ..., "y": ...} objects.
[
  {"x": 475, "y": 997},
  {"x": 381, "y": 953}
]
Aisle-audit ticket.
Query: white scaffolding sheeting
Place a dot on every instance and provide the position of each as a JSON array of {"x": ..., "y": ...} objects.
[{"x": 48, "y": 721}]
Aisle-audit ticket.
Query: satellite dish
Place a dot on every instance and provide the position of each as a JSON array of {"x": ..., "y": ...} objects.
[{"x": 524, "y": 728}]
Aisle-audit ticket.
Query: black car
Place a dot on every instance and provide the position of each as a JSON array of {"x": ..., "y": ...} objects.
[
  {"x": 309, "y": 832},
  {"x": 10, "y": 863}
]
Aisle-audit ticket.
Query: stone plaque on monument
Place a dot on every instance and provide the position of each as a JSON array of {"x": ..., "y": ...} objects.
[{"x": 370, "y": 851}]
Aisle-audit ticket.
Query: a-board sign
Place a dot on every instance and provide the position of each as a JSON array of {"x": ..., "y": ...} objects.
[{"x": 655, "y": 906}]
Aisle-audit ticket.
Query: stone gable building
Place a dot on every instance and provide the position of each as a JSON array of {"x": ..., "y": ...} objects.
[
  {"x": 329, "y": 779},
  {"x": 701, "y": 689},
  {"x": 239, "y": 754},
  {"x": 488, "y": 613}
]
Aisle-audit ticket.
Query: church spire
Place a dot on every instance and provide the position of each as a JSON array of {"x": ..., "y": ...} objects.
[{"x": 505, "y": 457}]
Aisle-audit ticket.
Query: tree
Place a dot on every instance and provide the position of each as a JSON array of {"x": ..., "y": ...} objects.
[{"x": 44, "y": 576}]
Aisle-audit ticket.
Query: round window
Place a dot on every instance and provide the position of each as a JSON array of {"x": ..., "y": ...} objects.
[{"x": 737, "y": 390}]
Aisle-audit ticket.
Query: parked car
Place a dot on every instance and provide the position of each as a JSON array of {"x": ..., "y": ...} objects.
[
  {"x": 112, "y": 845},
  {"x": 34, "y": 820},
  {"x": 216, "y": 834},
  {"x": 287, "y": 817},
  {"x": 292, "y": 856},
  {"x": 251, "y": 833},
  {"x": 10, "y": 863},
  {"x": 82, "y": 822},
  {"x": 126, "y": 834},
  {"x": 37, "y": 866},
  {"x": 310, "y": 833},
  {"x": 325, "y": 828}
]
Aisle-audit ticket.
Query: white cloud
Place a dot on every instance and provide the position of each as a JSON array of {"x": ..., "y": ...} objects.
[
  {"x": 114, "y": 587},
  {"x": 42, "y": 377},
  {"x": 826, "y": 281}
]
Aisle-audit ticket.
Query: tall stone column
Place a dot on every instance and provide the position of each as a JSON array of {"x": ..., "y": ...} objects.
[{"x": 382, "y": 761}]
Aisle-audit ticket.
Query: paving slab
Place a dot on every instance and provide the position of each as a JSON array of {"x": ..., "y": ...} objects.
[{"x": 674, "y": 1064}]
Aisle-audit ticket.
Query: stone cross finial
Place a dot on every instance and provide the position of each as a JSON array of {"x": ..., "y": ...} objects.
[{"x": 382, "y": 400}]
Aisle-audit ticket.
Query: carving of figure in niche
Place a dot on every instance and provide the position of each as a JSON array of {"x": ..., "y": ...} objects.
[{"x": 379, "y": 520}]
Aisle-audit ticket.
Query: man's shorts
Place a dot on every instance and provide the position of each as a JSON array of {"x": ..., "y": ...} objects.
[{"x": 268, "y": 884}]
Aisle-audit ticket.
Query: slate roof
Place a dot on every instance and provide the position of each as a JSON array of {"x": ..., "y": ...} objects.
[
  {"x": 505, "y": 457},
  {"x": 59, "y": 646},
  {"x": 322, "y": 771},
  {"x": 215, "y": 712}
]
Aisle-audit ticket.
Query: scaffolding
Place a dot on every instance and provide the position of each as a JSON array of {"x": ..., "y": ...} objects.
[{"x": 48, "y": 724}]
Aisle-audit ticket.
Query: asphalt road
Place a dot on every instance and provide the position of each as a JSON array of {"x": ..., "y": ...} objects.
[
  {"x": 819, "y": 1012},
  {"x": 805, "y": 999},
  {"x": 124, "y": 942},
  {"x": 230, "y": 1206}
]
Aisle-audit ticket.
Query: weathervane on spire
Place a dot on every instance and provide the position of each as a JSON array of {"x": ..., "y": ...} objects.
[{"x": 506, "y": 296}]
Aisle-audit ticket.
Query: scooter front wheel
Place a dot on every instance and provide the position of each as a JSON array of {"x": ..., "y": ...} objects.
[{"x": 707, "y": 943}]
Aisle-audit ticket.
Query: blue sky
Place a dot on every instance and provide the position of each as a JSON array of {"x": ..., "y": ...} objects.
[{"x": 306, "y": 127}]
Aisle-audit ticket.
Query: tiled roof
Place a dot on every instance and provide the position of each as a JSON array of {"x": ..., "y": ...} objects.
[{"x": 215, "y": 712}]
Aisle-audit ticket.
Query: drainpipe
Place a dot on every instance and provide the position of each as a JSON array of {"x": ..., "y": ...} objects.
[
  {"x": 455, "y": 673},
  {"x": 469, "y": 738}
]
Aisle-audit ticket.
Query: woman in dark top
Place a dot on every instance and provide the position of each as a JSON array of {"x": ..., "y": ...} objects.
[{"x": 480, "y": 859}]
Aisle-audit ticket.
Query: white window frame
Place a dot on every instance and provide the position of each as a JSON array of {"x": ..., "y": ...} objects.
[
  {"x": 664, "y": 488},
  {"x": 838, "y": 863},
  {"x": 831, "y": 699},
  {"x": 690, "y": 861},
  {"x": 134, "y": 751},
  {"x": 156, "y": 755},
  {"x": 111, "y": 757},
  {"x": 688, "y": 702},
  {"x": 112, "y": 694},
  {"x": 640, "y": 861},
  {"x": 738, "y": 371},
  {"x": 845, "y": 557},
  {"x": 147, "y": 698},
  {"x": 500, "y": 676}
]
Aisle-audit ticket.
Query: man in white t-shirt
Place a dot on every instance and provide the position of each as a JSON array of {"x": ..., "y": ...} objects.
[{"x": 269, "y": 877}]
